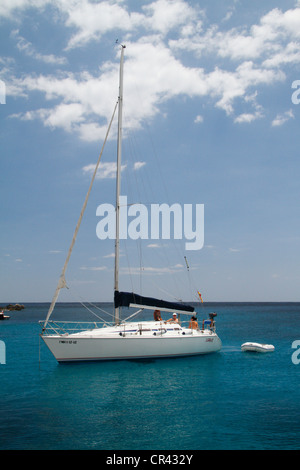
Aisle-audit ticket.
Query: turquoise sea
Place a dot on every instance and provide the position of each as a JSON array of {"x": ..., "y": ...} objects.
[{"x": 228, "y": 400}]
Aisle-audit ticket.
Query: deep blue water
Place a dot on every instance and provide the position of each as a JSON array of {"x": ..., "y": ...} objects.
[{"x": 228, "y": 400}]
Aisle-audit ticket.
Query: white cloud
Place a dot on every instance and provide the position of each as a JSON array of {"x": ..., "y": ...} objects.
[
  {"x": 287, "y": 54},
  {"x": 111, "y": 255},
  {"x": 158, "y": 78},
  {"x": 93, "y": 20},
  {"x": 166, "y": 15},
  {"x": 232, "y": 85},
  {"x": 25, "y": 46},
  {"x": 248, "y": 117},
  {"x": 95, "y": 268},
  {"x": 243, "y": 61},
  {"x": 282, "y": 118},
  {"x": 138, "y": 165},
  {"x": 136, "y": 271},
  {"x": 259, "y": 40},
  {"x": 91, "y": 131},
  {"x": 10, "y": 8},
  {"x": 105, "y": 170},
  {"x": 64, "y": 116},
  {"x": 198, "y": 119},
  {"x": 84, "y": 101}
]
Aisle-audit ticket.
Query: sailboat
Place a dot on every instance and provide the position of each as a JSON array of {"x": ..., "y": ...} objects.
[{"x": 128, "y": 339}]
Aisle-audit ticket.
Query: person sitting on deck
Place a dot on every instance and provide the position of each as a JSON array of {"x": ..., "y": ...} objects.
[
  {"x": 193, "y": 323},
  {"x": 174, "y": 319},
  {"x": 157, "y": 315}
]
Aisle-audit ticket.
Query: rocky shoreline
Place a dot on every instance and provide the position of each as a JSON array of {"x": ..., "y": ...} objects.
[{"x": 11, "y": 307}]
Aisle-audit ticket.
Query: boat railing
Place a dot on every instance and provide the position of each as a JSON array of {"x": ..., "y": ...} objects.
[
  {"x": 202, "y": 325},
  {"x": 208, "y": 325},
  {"x": 62, "y": 328}
]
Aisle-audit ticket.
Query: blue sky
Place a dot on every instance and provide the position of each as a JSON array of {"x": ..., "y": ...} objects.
[{"x": 208, "y": 115}]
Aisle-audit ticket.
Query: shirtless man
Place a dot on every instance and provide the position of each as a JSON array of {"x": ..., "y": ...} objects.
[{"x": 174, "y": 319}]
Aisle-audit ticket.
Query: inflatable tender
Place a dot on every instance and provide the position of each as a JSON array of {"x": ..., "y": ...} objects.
[{"x": 257, "y": 347}]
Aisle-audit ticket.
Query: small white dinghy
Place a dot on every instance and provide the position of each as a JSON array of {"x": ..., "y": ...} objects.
[{"x": 257, "y": 347}]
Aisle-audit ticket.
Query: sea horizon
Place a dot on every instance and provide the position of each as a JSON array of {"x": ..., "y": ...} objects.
[{"x": 3, "y": 304}]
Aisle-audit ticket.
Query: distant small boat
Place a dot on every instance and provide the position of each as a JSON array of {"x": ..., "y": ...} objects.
[
  {"x": 3, "y": 317},
  {"x": 257, "y": 347}
]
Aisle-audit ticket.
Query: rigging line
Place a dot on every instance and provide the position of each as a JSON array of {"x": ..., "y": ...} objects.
[
  {"x": 166, "y": 292},
  {"x": 124, "y": 244},
  {"x": 62, "y": 281},
  {"x": 82, "y": 302},
  {"x": 177, "y": 246},
  {"x": 101, "y": 309},
  {"x": 191, "y": 282},
  {"x": 165, "y": 188},
  {"x": 133, "y": 315},
  {"x": 91, "y": 311},
  {"x": 193, "y": 287},
  {"x": 149, "y": 191},
  {"x": 80, "y": 299},
  {"x": 132, "y": 156},
  {"x": 141, "y": 267}
]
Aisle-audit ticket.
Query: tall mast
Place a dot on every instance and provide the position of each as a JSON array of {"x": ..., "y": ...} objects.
[{"x": 118, "y": 183}]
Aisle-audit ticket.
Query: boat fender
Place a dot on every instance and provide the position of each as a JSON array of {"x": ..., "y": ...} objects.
[
  {"x": 183, "y": 332},
  {"x": 154, "y": 334}
]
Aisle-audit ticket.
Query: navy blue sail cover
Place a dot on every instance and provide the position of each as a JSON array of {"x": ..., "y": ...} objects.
[{"x": 124, "y": 299}]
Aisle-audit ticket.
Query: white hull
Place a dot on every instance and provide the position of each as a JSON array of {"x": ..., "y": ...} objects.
[
  {"x": 136, "y": 341},
  {"x": 257, "y": 347}
]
